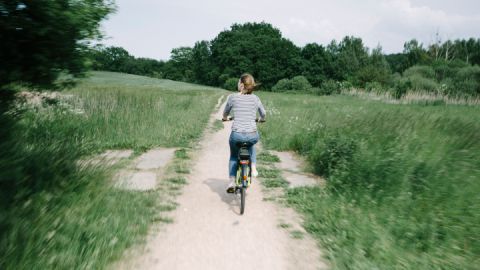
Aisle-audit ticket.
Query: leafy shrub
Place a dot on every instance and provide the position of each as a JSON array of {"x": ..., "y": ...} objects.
[
  {"x": 333, "y": 153},
  {"x": 330, "y": 87},
  {"x": 374, "y": 87},
  {"x": 400, "y": 87},
  {"x": 423, "y": 71},
  {"x": 299, "y": 83},
  {"x": 372, "y": 73},
  {"x": 419, "y": 83},
  {"x": 467, "y": 81},
  {"x": 416, "y": 78},
  {"x": 282, "y": 85},
  {"x": 345, "y": 85},
  {"x": 447, "y": 69},
  {"x": 231, "y": 84}
]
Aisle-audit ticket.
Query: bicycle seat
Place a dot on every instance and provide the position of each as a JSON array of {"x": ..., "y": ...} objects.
[{"x": 243, "y": 144}]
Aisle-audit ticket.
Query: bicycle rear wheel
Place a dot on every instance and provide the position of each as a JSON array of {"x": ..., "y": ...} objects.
[{"x": 242, "y": 200}]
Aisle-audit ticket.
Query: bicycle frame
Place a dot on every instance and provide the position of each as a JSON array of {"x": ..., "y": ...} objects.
[
  {"x": 244, "y": 173},
  {"x": 243, "y": 179}
]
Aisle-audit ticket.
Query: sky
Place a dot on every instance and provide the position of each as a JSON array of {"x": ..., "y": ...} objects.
[{"x": 152, "y": 28}]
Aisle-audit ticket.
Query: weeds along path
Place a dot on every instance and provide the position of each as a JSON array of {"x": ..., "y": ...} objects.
[{"x": 209, "y": 233}]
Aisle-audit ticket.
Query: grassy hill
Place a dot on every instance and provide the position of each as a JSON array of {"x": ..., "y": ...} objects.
[
  {"x": 129, "y": 111},
  {"x": 106, "y": 78}
]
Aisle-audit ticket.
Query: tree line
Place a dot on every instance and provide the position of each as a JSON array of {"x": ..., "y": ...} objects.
[{"x": 449, "y": 67}]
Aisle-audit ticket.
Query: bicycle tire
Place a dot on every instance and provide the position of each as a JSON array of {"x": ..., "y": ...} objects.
[{"x": 242, "y": 200}]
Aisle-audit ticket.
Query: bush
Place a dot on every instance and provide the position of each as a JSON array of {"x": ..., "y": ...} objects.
[
  {"x": 231, "y": 84},
  {"x": 298, "y": 83},
  {"x": 345, "y": 85},
  {"x": 330, "y": 87},
  {"x": 400, "y": 87},
  {"x": 374, "y": 87},
  {"x": 419, "y": 83},
  {"x": 334, "y": 153},
  {"x": 447, "y": 69},
  {"x": 372, "y": 73},
  {"x": 467, "y": 80},
  {"x": 422, "y": 71},
  {"x": 282, "y": 85}
]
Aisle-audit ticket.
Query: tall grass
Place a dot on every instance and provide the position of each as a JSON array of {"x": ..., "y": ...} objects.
[
  {"x": 58, "y": 214},
  {"x": 402, "y": 180},
  {"x": 414, "y": 97},
  {"x": 125, "y": 117}
]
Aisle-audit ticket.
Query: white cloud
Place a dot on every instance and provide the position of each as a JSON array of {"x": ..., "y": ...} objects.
[{"x": 405, "y": 21}]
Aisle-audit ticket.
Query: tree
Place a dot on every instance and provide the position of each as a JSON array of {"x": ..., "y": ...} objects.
[
  {"x": 348, "y": 57},
  {"x": 179, "y": 66},
  {"x": 316, "y": 63},
  {"x": 468, "y": 50},
  {"x": 398, "y": 62},
  {"x": 258, "y": 48},
  {"x": 41, "y": 39},
  {"x": 474, "y": 56},
  {"x": 415, "y": 52},
  {"x": 111, "y": 58},
  {"x": 201, "y": 66},
  {"x": 149, "y": 67},
  {"x": 119, "y": 60},
  {"x": 376, "y": 69}
]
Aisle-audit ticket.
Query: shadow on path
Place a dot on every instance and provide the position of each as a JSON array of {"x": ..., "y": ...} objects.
[{"x": 219, "y": 186}]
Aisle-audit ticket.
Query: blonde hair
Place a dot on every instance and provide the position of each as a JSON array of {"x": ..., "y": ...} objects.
[{"x": 248, "y": 83}]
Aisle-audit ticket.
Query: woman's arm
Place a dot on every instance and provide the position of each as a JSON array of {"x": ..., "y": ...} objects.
[
  {"x": 228, "y": 107},
  {"x": 261, "y": 110}
]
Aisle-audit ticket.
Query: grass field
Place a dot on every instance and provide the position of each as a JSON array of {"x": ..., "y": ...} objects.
[
  {"x": 55, "y": 215},
  {"x": 402, "y": 180}
]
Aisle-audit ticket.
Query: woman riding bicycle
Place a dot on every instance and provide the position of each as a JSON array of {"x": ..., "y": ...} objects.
[{"x": 244, "y": 129}]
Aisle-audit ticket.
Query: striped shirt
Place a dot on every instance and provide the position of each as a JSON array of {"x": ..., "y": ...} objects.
[{"x": 245, "y": 109}]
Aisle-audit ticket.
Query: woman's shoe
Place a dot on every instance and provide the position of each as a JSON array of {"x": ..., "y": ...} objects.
[
  {"x": 231, "y": 185},
  {"x": 254, "y": 172}
]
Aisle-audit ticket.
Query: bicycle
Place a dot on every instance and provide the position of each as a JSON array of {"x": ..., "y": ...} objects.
[{"x": 244, "y": 171}]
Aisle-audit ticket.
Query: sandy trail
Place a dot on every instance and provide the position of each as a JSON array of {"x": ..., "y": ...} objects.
[{"x": 209, "y": 233}]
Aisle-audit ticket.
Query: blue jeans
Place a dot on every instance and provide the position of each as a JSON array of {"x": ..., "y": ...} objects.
[{"x": 236, "y": 137}]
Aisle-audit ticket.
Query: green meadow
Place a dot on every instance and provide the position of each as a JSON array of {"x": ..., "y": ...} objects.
[
  {"x": 56, "y": 214},
  {"x": 402, "y": 180}
]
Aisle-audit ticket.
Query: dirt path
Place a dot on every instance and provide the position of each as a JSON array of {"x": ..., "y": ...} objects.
[{"x": 209, "y": 233}]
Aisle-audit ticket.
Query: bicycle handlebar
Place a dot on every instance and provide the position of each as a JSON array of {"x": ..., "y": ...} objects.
[{"x": 256, "y": 120}]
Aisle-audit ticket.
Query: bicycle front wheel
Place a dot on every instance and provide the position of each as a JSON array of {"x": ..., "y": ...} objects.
[{"x": 242, "y": 200}]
